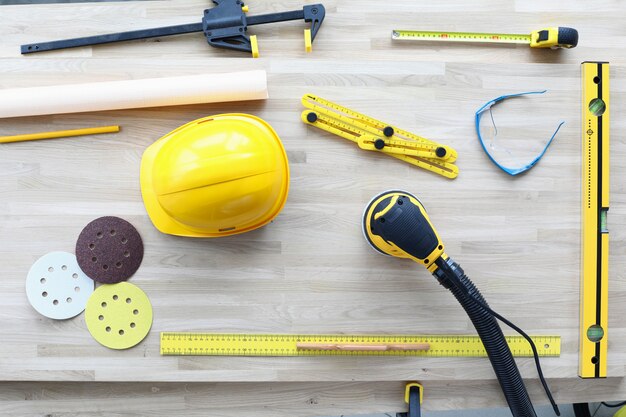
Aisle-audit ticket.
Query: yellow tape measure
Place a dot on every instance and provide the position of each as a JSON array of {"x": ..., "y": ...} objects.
[
  {"x": 210, "y": 344},
  {"x": 374, "y": 135},
  {"x": 554, "y": 37},
  {"x": 594, "y": 273}
]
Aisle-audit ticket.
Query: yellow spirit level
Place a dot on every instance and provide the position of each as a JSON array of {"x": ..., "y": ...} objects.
[{"x": 594, "y": 273}]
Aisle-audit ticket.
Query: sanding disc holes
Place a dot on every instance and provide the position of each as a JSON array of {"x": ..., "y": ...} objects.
[
  {"x": 104, "y": 305},
  {"x": 54, "y": 285}
]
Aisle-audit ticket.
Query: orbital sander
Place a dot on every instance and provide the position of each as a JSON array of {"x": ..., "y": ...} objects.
[{"x": 395, "y": 223}]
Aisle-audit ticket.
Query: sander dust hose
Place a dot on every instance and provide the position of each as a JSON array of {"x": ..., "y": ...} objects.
[{"x": 491, "y": 335}]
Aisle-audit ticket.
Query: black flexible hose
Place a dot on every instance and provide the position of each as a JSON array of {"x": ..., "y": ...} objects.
[{"x": 491, "y": 335}]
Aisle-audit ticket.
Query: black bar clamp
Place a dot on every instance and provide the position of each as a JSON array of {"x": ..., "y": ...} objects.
[{"x": 224, "y": 26}]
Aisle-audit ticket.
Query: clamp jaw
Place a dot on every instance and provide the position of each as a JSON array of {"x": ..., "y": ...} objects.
[
  {"x": 224, "y": 26},
  {"x": 413, "y": 396}
]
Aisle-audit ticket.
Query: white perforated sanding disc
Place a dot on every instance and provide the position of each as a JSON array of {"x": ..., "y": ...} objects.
[{"x": 56, "y": 287}]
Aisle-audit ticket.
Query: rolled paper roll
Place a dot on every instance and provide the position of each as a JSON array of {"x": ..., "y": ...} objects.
[{"x": 127, "y": 94}]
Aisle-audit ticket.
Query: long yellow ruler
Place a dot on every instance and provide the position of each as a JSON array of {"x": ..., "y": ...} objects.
[
  {"x": 213, "y": 344},
  {"x": 594, "y": 273},
  {"x": 554, "y": 37},
  {"x": 374, "y": 135}
]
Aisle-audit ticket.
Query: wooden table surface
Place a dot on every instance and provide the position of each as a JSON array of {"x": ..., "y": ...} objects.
[{"x": 311, "y": 271}]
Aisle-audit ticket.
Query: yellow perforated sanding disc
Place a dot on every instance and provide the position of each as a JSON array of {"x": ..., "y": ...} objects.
[{"x": 119, "y": 315}]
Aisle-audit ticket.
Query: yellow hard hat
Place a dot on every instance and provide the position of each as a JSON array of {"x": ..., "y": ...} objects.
[{"x": 216, "y": 176}]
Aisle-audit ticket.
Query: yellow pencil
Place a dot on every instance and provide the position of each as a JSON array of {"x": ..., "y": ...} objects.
[{"x": 59, "y": 134}]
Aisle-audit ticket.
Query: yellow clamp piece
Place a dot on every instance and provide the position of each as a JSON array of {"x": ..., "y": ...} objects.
[
  {"x": 554, "y": 37},
  {"x": 254, "y": 44},
  {"x": 308, "y": 43},
  {"x": 245, "y": 9},
  {"x": 407, "y": 391}
]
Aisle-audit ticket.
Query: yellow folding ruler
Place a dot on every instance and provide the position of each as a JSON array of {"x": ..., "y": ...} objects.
[
  {"x": 212, "y": 344},
  {"x": 594, "y": 272},
  {"x": 374, "y": 135},
  {"x": 554, "y": 37}
]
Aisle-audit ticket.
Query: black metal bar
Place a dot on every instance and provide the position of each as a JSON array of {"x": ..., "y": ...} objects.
[
  {"x": 581, "y": 410},
  {"x": 113, "y": 37},
  {"x": 275, "y": 17}
]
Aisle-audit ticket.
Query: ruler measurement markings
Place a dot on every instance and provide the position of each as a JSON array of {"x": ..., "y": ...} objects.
[
  {"x": 329, "y": 122},
  {"x": 461, "y": 36},
  {"x": 462, "y": 346}
]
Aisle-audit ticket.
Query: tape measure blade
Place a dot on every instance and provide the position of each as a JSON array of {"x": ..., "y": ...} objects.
[{"x": 468, "y": 37}]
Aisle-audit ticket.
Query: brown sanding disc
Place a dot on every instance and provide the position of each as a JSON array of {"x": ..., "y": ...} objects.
[{"x": 109, "y": 250}]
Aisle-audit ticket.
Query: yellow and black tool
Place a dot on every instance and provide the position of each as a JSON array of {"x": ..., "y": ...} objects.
[
  {"x": 553, "y": 37},
  {"x": 395, "y": 223},
  {"x": 594, "y": 273},
  {"x": 374, "y": 135},
  {"x": 425, "y": 346}
]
